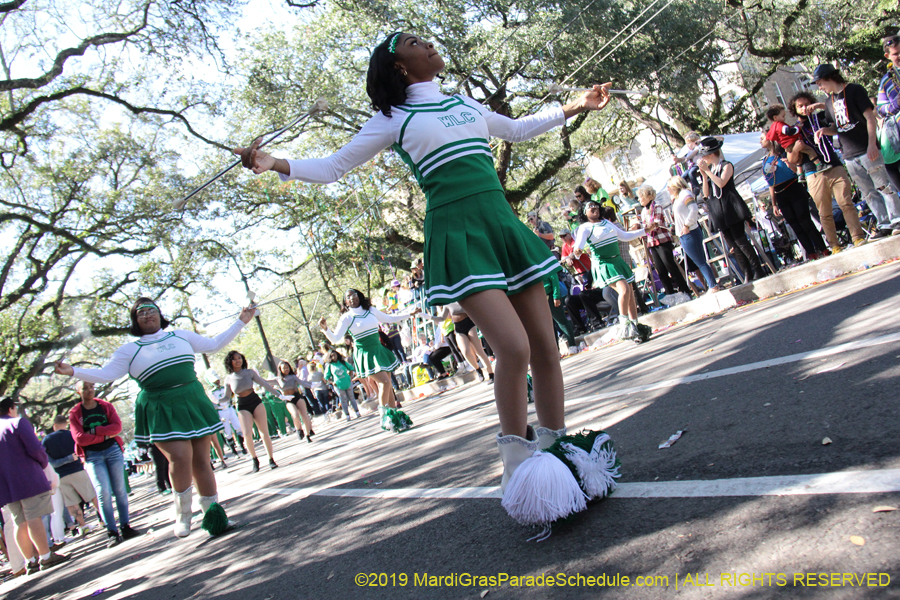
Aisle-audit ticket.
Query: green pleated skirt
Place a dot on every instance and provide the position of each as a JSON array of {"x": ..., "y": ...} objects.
[
  {"x": 181, "y": 413},
  {"x": 607, "y": 271},
  {"x": 370, "y": 357},
  {"x": 476, "y": 244}
]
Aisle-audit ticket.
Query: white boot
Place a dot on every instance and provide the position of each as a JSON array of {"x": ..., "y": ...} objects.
[
  {"x": 546, "y": 437},
  {"x": 183, "y": 512},
  {"x": 207, "y": 501},
  {"x": 538, "y": 488},
  {"x": 513, "y": 452}
]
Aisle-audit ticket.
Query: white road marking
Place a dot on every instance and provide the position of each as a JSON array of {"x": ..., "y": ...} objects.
[
  {"x": 670, "y": 383},
  {"x": 844, "y": 482}
]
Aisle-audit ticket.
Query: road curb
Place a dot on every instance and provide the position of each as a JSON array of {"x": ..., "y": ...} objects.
[{"x": 847, "y": 261}]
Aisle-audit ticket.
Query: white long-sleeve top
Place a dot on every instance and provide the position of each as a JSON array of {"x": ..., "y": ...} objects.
[
  {"x": 156, "y": 351},
  {"x": 361, "y": 322},
  {"x": 602, "y": 237},
  {"x": 686, "y": 211},
  {"x": 443, "y": 139}
]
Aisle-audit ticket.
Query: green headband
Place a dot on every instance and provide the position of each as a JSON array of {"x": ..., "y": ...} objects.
[
  {"x": 392, "y": 47},
  {"x": 146, "y": 306}
]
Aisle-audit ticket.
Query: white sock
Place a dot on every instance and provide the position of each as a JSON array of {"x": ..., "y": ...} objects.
[{"x": 45, "y": 556}]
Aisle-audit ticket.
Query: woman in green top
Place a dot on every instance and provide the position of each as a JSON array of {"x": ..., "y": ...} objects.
[{"x": 340, "y": 373}]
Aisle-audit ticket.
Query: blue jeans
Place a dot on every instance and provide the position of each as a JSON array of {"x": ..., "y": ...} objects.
[
  {"x": 693, "y": 247},
  {"x": 106, "y": 469}
]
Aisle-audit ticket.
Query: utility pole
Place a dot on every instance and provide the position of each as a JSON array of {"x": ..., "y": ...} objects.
[{"x": 262, "y": 333}]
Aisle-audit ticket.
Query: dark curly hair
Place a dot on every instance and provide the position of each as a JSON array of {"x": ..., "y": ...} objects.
[
  {"x": 135, "y": 329},
  {"x": 340, "y": 357},
  {"x": 384, "y": 81},
  {"x": 363, "y": 299},
  {"x": 792, "y": 103},
  {"x": 290, "y": 369},
  {"x": 230, "y": 356}
]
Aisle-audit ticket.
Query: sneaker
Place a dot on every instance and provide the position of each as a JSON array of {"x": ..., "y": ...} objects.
[
  {"x": 490, "y": 378},
  {"x": 858, "y": 243},
  {"x": 113, "y": 538},
  {"x": 821, "y": 168},
  {"x": 53, "y": 560},
  {"x": 32, "y": 567},
  {"x": 348, "y": 418},
  {"x": 165, "y": 492},
  {"x": 57, "y": 546},
  {"x": 880, "y": 233},
  {"x": 129, "y": 532},
  {"x": 896, "y": 231},
  {"x": 85, "y": 529},
  {"x": 835, "y": 250}
]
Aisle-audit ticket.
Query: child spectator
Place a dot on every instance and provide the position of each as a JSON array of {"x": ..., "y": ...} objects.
[{"x": 788, "y": 137}]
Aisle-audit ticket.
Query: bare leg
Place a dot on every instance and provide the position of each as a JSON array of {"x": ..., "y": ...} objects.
[
  {"x": 204, "y": 477},
  {"x": 465, "y": 346},
  {"x": 180, "y": 454},
  {"x": 627, "y": 305},
  {"x": 259, "y": 417},
  {"x": 75, "y": 511},
  {"x": 495, "y": 315},
  {"x": 298, "y": 411},
  {"x": 246, "y": 418},
  {"x": 472, "y": 341},
  {"x": 385, "y": 391},
  {"x": 218, "y": 447},
  {"x": 546, "y": 372}
]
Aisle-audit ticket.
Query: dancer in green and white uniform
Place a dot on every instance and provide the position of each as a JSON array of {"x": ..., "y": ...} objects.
[
  {"x": 172, "y": 409},
  {"x": 477, "y": 252},
  {"x": 370, "y": 358},
  {"x": 602, "y": 237}
]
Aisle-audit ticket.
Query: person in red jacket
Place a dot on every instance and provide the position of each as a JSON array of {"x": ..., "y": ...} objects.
[{"x": 95, "y": 427}]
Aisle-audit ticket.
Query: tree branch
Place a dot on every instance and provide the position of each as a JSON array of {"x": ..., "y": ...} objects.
[{"x": 64, "y": 55}]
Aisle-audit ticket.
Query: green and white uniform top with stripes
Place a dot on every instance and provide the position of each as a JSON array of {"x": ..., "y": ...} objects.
[
  {"x": 443, "y": 139},
  {"x": 362, "y": 324},
  {"x": 160, "y": 361},
  {"x": 602, "y": 238}
]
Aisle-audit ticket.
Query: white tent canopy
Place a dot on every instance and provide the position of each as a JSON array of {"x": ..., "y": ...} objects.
[{"x": 741, "y": 149}]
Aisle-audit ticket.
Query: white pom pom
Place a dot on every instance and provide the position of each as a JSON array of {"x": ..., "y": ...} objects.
[
  {"x": 597, "y": 470},
  {"x": 542, "y": 490}
]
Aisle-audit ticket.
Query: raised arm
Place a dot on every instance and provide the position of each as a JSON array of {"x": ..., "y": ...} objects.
[
  {"x": 627, "y": 236},
  {"x": 116, "y": 367},
  {"x": 527, "y": 127},
  {"x": 581, "y": 237},
  {"x": 375, "y": 136},
  {"x": 343, "y": 324},
  {"x": 206, "y": 345},
  {"x": 397, "y": 318},
  {"x": 257, "y": 378}
]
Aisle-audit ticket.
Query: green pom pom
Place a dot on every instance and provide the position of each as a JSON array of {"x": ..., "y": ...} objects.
[
  {"x": 215, "y": 521},
  {"x": 583, "y": 440},
  {"x": 395, "y": 420}
]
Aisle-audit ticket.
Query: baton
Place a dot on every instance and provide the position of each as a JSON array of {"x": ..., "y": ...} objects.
[{"x": 320, "y": 105}]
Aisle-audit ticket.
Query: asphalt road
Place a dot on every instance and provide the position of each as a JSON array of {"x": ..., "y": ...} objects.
[{"x": 744, "y": 413}]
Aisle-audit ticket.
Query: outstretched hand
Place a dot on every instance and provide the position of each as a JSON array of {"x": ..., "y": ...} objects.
[
  {"x": 62, "y": 368},
  {"x": 247, "y": 313},
  {"x": 255, "y": 159},
  {"x": 597, "y": 98}
]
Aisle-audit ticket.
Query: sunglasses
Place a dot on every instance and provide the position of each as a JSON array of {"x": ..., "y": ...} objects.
[{"x": 146, "y": 312}]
